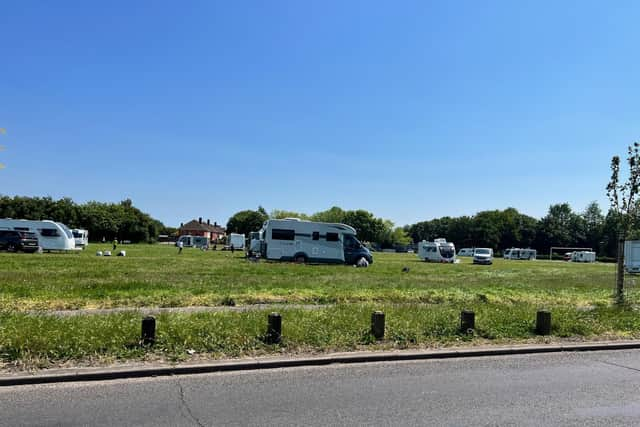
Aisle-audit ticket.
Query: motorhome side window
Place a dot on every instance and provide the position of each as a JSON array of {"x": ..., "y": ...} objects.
[
  {"x": 315, "y": 235},
  {"x": 21, "y": 228},
  {"x": 332, "y": 237},
  {"x": 49, "y": 232},
  {"x": 279, "y": 234}
]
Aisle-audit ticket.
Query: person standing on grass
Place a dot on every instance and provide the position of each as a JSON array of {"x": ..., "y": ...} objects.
[
  {"x": 180, "y": 245},
  {"x": 232, "y": 248},
  {"x": 115, "y": 243}
]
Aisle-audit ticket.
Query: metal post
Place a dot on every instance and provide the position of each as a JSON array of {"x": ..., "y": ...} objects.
[
  {"x": 467, "y": 321},
  {"x": 148, "y": 330},
  {"x": 620, "y": 270},
  {"x": 543, "y": 322},
  {"x": 274, "y": 328},
  {"x": 377, "y": 325}
]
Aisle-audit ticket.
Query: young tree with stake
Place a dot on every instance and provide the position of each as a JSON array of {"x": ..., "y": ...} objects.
[{"x": 624, "y": 203}]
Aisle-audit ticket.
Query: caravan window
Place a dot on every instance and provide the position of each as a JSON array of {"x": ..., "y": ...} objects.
[
  {"x": 279, "y": 234},
  {"x": 49, "y": 232},
  {"x": 21, "y": 228},
  {"x": 315, "y": 235},
  {"x": 332, "y": 237}
]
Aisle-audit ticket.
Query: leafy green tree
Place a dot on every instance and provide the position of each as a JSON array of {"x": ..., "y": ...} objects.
[
  {"x": 246, "y": 221},
  {"x": 281, "y": 214}
]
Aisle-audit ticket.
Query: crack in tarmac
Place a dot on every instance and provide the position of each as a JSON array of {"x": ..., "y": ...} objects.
[
  {"x": 186, "y": 405},
  {"x": 619, "y": 366}
]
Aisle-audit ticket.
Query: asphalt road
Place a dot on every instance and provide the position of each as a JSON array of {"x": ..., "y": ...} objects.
[{"x": 596, "y": 388}]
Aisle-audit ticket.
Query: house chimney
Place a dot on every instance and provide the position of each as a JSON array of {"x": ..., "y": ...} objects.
[
  {"x": 200, "y": 220},
  {"x": 215, "y": 224},
  {"x": 181, "y": 224},
  {"x": 208, "y": 222}
]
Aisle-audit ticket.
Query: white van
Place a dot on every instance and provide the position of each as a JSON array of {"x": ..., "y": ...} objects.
[
  {"x": 52, "y": 236},
  {"x": 465, "y": 252},
  {"x": 81, "y": 237},
  {"x": 483, "y": 256},
  {"x": 517, "y": 253},
  {"x": 437, "y": 251},
  {"x": 292, "y": 239}
]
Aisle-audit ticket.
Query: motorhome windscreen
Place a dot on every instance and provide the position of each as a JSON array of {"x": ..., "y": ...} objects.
[
  {"x": 482, "y": 251},
  {"x": 77, "y": 235},
  {"x": 447, "y": 252}
]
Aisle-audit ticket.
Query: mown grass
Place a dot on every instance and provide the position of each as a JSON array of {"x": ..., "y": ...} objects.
[
  {"x": 155, "y": 276},
  {"x": 422, "y": 306},
  {"x": 37, "y": 341}
]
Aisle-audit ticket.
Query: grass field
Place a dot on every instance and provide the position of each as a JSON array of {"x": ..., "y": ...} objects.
[{"x": 422, "y": 305}]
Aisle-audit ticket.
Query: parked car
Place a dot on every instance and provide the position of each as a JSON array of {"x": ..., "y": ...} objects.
[
  {"x": 13, "y": 241},
  {"x": 567, "y": 256},
  {"x": 483, "y": 256}
]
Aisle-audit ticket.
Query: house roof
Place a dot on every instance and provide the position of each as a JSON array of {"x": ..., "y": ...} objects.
[{"x": 201, "y": 226}]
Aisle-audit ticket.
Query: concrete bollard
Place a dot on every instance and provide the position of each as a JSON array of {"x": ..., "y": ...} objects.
[
  {"x": 148, "y": 330},
  {"x": 543, "y": 322},
  {"x": 274, "y": 328},
  {"x": 377, "y": 325},
  {"x": 467, "y": 321}
]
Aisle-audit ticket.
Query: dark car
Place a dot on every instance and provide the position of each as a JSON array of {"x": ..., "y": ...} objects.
[{"x": 14, "y": 241}]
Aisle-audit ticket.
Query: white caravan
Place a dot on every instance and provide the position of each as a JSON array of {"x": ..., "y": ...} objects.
[
  {"x": 81, "y": 237},
  {"x": 189, "y": 241},
  {"x": 292, "y": 239},
  {"x": 437, "y": 251},
  {"x": 517, "y": 253},
  {"x": 583, "y": 256},
  {"x": 52, "y": 236},
  {"x": 632, "y": 256}
]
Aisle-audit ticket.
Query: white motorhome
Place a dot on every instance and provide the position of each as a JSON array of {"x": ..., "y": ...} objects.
[
  {"x": 189, "y": 241},
  {"x": 52, "y": 236},
  {"x": 583, "y": 256},
  {"x": 517, "y": 253},
  {"x": 437, "y": 251},
  {"x": 292, "y": 239},
  {"x": 632, "y": 256},
  {"x": 81, "y": 237}
]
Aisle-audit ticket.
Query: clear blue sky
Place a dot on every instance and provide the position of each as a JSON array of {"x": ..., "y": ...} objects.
[{"x": 412, "y": 110}]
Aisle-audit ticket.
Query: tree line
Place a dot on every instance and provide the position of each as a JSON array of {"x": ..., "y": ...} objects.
[
  {"x": 500, "y": 229},
  {"x": 120, "y": 221}
]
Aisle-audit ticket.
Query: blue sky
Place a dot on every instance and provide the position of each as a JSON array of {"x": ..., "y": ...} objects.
[{"x": 412, "y": 110}]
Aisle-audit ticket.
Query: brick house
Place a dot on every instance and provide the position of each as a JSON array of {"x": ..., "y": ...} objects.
[{"x": 198, "y": 228}]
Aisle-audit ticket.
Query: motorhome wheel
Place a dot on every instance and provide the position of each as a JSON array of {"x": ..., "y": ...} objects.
[
  {"x": 11, "y": 247},
  {"x": 300, "y": 259}
]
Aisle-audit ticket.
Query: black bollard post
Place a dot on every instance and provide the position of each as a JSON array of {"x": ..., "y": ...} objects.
[
  {"x": 148, "y": 330},
  {"x": 543, "y": 322},
  {"x": 377, "y": 325},
  {"x": 274, "y": 328},
  {"x": 467, "y": 321}
]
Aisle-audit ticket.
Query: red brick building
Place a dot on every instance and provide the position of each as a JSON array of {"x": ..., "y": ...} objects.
[{"x": 198, "y": 228}]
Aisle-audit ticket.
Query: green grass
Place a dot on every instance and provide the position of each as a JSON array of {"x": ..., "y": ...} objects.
[
  {"x": 422, "y": 306},
  {"x": 155, "y": 276},
  {"x": 38, "y": 341}
]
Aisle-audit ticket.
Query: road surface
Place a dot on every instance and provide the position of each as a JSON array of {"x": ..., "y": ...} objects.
[{"x": 595, "y": 388}]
